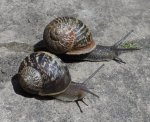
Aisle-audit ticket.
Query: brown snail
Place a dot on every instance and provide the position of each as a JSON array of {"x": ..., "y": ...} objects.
[
  {"x": 70, "y": 36},
  {"x": 44, "y": 74}
]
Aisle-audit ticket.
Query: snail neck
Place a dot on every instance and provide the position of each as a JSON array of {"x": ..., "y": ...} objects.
[
  {"x": 75, "y": 91},
  {"x": 100, "y": 53},
  {"x": 107, "y": 53}
]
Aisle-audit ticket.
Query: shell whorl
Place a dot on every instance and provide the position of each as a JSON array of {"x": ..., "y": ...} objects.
[
  {"x": 44, "y": 74},
  {"x": 68, "y": 35}
]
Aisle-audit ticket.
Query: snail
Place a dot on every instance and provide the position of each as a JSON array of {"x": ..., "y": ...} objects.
[
  {"x": 44, "y": 74},
  {"x": 70, "y": 36}
]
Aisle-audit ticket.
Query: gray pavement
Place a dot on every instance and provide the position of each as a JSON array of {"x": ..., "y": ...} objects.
[{"x": 124, "y": 89}]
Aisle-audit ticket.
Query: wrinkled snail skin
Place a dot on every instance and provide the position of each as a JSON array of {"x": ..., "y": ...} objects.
[
  {"x": 71, "y": 37},
  {"x": 74, "y": 92},
  {"x": 45, "y": 74},
  {"x": 101, "y": 53},
  {"x": 104, "y": 53}
]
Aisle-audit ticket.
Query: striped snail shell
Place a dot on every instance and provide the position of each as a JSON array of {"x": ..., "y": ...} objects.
[
  {"x": 68, "y": 35},
  {"x": 44, "y": 74}
]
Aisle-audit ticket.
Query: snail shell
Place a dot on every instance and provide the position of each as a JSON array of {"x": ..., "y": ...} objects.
[
  {"x": 68, "y": 35},
  {"x": 44, "y": 74}
]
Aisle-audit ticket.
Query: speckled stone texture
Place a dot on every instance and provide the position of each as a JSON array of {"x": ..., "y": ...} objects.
[{"x": 124, "y": 89}]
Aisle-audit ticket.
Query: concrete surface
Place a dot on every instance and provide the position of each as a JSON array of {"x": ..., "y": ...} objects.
[{"x": 124, "y": 89}]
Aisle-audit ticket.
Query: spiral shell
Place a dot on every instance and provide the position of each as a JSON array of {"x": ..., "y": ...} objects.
[
  {"x": 68, "y": 35},
  {"x": 44, "y": 74}
]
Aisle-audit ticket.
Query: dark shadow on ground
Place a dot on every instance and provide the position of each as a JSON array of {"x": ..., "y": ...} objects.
[
  {"x": 41, "y": 46},
  {"x": 18, "y": 90}
]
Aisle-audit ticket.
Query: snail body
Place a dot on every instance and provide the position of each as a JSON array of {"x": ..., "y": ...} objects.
[
  {"x": 70, "y": 36},
  {"x": 45, "y": 74}
]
